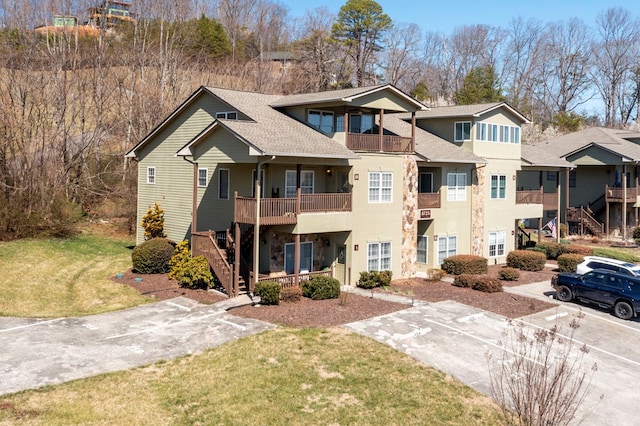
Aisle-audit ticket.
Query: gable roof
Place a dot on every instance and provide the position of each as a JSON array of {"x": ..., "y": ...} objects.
[
  {"x": 470, "y": 111},
  {"x": 344, "y": 96},
  {"x": 533, "y": 156},
  {"x": 611, "y": 140}
]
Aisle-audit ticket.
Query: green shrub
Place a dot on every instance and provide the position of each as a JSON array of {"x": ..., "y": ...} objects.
[
  {"x": 563, "y": 230},
  {"x": 569, "y": 262},
  {"x": 374, "y": 279},
  {"x": 152, "y": 256},
  {"x": 153, "y": 222},
  {"x": 526, "y": 260},
  {"x": 291, "y": 294},
  {"x": 320, "y": 287},
  {"x": 636, "y": 233},
  {"x": 435, "y": 274},
  {"x": 552, "y": 249},
  {"x": 508, "y": 274},
  {"x": 195, "y": 273},
  {"x": 268, "y": 292},
  {"x": 486, "y": 284},
  {"x": 615, "y": 254},
  {"x": 478, "y": 282},
  {"x": 465, "y": 264},
  {"x": 181, "y": 255},
  {"x": 538, "y": 249}
]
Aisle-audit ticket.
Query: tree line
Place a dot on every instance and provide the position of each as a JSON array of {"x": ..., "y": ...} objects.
[{"x": 72, "y": 103}]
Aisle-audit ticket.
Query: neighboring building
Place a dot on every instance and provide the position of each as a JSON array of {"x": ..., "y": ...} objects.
[
  {"x": 349, "y": 180},
  {"x": 606, "y": 168}
]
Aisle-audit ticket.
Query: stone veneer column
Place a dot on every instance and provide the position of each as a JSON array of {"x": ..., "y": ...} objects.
[
  {"x": 409, "y": 212},
  {"x": 477, "y": 210}
]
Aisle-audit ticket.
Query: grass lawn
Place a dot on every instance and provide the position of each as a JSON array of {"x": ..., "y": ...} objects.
[
  {"x": 280, "y": 377},
  {"x": 58, "y": 278}
]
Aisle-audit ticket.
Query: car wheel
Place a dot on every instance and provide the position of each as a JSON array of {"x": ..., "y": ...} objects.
[
  {"x": 564, "y": 294},
  {"x": 623, "y": 310}
]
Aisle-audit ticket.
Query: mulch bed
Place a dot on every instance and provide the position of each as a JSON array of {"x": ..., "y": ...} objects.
[{"x": 334, "y": 312}]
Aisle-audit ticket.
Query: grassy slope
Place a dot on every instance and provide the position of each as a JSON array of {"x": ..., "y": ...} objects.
[
  {"x": 280, "y": 377},
  {"x": 56, "y": 278}
]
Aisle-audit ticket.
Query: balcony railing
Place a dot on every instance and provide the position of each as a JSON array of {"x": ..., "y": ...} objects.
[
  {"x": 374, "y": 143},
  {"x": 550, "y": 201},
  {"x": 285, "y": 211},
  {"x": 616, "y": 195},
  {"x": 529, "y": 197},
  {"x": 430, "y": 200},
  {"x": 286, "y": 281}
]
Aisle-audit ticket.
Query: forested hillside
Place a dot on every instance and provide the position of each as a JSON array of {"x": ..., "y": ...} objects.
[{"x": 73, "y": 101}]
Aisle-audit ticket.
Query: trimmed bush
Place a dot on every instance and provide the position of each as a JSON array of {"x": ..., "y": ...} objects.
[
  {"x": 195, "y": 273},
  {"x": 374, "y": 279},
  {"x": 636, "y": 233},
  {"x": 526, "y": 260},
  {"x": 153, "y": 222},
  {"x": 152, "y": 256},
  {"x": 576, "y": 249},
  {"x": 553, "y": 250},
  {"x": 181, "y": 255},
  {"x": 465, "y": 264},
  {"x": 291, "y": 294},
  {"x": 268, "y": 292},
  {"x": 615, "y": 254},
  {"x": 435, "y": 274},
  {"x": 569, "y": 262},
  {"x": 508, "y": 274},
  {"x": 319, "y": 287},
  {"x": 478, "y": 282}
]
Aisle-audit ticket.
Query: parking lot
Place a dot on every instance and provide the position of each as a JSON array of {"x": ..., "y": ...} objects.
[{"x": 456, "y": 339}]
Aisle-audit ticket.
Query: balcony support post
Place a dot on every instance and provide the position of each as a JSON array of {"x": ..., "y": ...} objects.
[
  {"x": 381, "y": 130},
  {"x": 296, "y": 261},
  {"x": 413, "y": 131}
]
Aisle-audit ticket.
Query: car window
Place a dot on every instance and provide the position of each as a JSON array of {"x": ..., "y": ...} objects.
[
  {"x": 613, "y": 282},
  {"x": 594, "y": 277}
]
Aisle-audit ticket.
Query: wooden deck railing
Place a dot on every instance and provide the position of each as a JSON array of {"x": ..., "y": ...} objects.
[
  {"x": 429, "y": 200},
  {"x": 373, "y": 143},
  {"x": 529, "y": 197},
  {"x": 204, "y": 244},
  {"x": 285, "y": 211},
  {"x": 290, "y": 280},
  {"x": 616, "y": 195}
]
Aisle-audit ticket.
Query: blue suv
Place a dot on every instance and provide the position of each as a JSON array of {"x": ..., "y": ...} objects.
[{"x": 602, "y": 287}]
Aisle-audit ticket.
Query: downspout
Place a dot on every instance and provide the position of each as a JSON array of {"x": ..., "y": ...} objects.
[
  {"x": 256, "y": 231},
  {"x": 194, "y": 201}
]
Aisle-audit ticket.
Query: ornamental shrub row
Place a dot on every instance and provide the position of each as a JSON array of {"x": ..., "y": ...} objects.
[
  {"x": 478, "y": 282},
  {"x": 526, "y": 260},
  {"x": 465, "y": 264},
  {"x": 373, "y": 279},
  {"x": 553, "y": 250},
  {"x": 320, "y": 287}
]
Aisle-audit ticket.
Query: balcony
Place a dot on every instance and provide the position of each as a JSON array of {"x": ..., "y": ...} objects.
[
  {"x": 529, "y": 197},
  {"x": 377, "y": 143},
  {"x": 429, "y": 200},
  {"x": 285, "y": 211},
  {"x": 616, "y": 195}
]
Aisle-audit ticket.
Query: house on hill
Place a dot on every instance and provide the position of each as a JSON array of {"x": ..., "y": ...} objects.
[{"x": 338, "y": 182}]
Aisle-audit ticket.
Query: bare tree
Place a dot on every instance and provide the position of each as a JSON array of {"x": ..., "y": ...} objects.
[
  {"x": 615, "y": 54},
  {"x": 401, "y": 58}
]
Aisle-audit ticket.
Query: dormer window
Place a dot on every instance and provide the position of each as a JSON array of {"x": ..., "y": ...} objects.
[
  {"x": 227, "y": 115},
  {"x": 321, "y": 120},
  {"x": 462, "y": 131}
]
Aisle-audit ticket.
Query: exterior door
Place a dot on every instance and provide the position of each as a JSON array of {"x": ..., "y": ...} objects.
[{"x": 340, "y": 269}]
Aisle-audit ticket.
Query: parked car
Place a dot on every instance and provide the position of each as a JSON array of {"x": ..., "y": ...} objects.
[
  {"x": 602, "y": 287},
  {"x": 594, "y": 262}
]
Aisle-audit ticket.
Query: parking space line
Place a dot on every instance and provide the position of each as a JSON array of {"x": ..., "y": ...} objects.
[
  {"x": 20, "y": 327},
  {"x": 595, "y": 348},
  {"x": 618, "y": 323}
]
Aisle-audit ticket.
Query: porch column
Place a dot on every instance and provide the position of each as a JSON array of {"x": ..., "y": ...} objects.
[
  {"x": 236, "y": 261},
  {"x": 256, "y": 229},
  {"x": 624, "y": 203},
  {"x": 566, "y": 184},
  {"x": 635, "y": 185},
  {"x": 381, "y": 129},
  {"x": 413, "y": 131},
  {"x": 194, "y": 205},
  {"x": 566, "y": 202},
  {"x": 539, "y": 229},
  {"x": 296, "y": 261}
]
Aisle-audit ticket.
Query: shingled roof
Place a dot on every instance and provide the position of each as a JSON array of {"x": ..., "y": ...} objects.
[
  {"x": 533, "y": 156},
  {"x": 612, "y": 140},
  {"x": 475, "y": 110}
]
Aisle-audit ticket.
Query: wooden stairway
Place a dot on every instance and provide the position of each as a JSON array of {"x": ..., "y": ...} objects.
[
  {"x": 220, "y": 259},
  {"x": 585, "y": 220}
]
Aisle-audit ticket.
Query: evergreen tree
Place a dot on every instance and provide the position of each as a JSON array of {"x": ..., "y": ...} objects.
[{"x": 479, "y": 86}]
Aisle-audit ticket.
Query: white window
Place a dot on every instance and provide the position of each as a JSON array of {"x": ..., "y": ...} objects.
[
  {"x": 425, "y": 183},
  {"x": 515, "y": 134},
  {"x": 223, "y": 184},
  {"x": 151, "y": 175},
  {"x": 228, "y": 115},
  {"x": 481, "y": 131},
  {"x": 423, "y": 246},
  {"x": 462, "y": 131},
  {"x": 496, "y": 243},
  {"x": 379, "y": 256},
  {"x": 321, "y": 120},
  {"x": 492, "y": 130},
  {"x": 253, "y": 183},
  {"x": 456, "y": 186},
  {"x": 447, "y": 246},
  {"x": 306, "y": 183},
  {"x": 306, "y": 257},
  {"x": 498, "y": 187},
  {"x": 380, "y": 187},
  {"x": 203, "y": 177}
]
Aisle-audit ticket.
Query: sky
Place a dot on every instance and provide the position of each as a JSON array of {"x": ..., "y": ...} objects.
[{"x": 445, "y": 15}]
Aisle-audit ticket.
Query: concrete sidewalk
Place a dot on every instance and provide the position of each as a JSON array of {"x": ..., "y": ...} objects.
[{"x": 36, "y": 353}]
